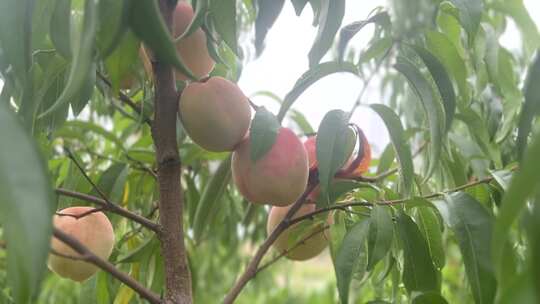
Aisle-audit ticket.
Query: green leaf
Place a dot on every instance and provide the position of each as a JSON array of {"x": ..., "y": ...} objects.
[
  {"x": 262, "y": 133},
  {"x": 60, "y": 28},
  {"x": 381, "y": 233},
  {"x": 441, "y": 46},
  {"x": 332, "y": 12},
  {"x": 26, "y": 207},
  {"x": 302, "y": 122},
  {"x": 331, "y": 146},
  {"x": 519, "y": 13},
  {"x": 442, "y": 80},
  {"x": 85, "y": 94},
  {"x": 470, "y": 13},
  {"x": 112, "y": 25},
  {"x": 310, "y": 77},
  {"x": 419, "y": 274},
  {"x": 201, "y": 8},
  {"x": 224, "y": 16},
  {"x": 122, "y": 62},
  {"x": 267, "y": 13},
  {"x": 503, "y": 178},
  {"x": 213, "y": 191},
  {"x": 112, "y": 182},
  {"x": 403, "y": 151},
  {"x": 429, "y": 297},
  {"x": 147, "y": 23},
  {"x": 531, "y": 107},
  {"x": 15, "y": 32},
  {"x": 350, "y": 30},
  {"x": 523, "y": 184},
  {"x": 82, "y": 59},
  {"x": 433, "y": 108},
  {"x": 299, "y": 6},
  {"x": 347, "y": 257},
  {"x": 472, "y": 224},
  {"x": 141, "y": 252},
  {"x": 430, "y": 226}
]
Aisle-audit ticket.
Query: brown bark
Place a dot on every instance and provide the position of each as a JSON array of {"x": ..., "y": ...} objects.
[{"x": 177, "y": 273}]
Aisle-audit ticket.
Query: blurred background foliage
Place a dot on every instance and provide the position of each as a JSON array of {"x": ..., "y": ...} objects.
[{"x": 115, "y": 147}]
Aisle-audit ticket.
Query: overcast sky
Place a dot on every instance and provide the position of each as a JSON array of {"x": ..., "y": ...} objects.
[{"x": 285, "y": 59}]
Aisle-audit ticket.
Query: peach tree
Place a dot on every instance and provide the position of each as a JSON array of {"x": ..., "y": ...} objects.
[{"x": 134, "y": 168}]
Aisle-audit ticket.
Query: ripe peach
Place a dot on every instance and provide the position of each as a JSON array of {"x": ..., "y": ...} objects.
[
  {"x": 278, "y": 178},
  {"x": 191, "y": 49},
  {"x": 313, "y": 242},
  {"x": 215, "y": 114},
  {"x": 93, "y": 230}
]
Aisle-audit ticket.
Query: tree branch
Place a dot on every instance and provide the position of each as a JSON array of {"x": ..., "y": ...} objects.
[
  {"x": 88, "y": 256},
  {"x": 114, "y": 208},
  {"x": 177, "y": 272},
  {"x": 251, "y": 269}
]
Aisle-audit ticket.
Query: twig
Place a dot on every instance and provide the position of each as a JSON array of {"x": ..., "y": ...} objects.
[
  {"x": 79, "y": 216},
  {"x": 83, "y": 172},
  {"x": 114, "y": 208},
  {"x": 87, "y": 256},
  {"x": 391, "y": 202},
  {"x": 251, "y": 269},
  {"x": 125, "y": 99}
]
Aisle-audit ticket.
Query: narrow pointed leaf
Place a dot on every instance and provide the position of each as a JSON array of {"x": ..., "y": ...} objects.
[
  {"x": 146, "y": 22},
  {"x": 350, "y": 30},
  {"x": 433, "y": 108},
  {"x": 310, "y": 77},
  {"x": 381, "y": 233},
  {"x": 82, "y": 59},
  {"x": 351, "y": 249},
  {"x": 419, "y": 274},
  {"x": 212, "y": 193},
  {"x": 224, "y": 16},
  {"x": 26, "y": 207},
  {"x": 332, "y": 138},
  {"x": 330, "y": 18},
  {"x": 443, "y": 82},
  {"x": 267, "y": 13},
  {"x": 472, "y": 226},
  {"x": 262, "y": 133},
  {"x": 531, "y": 107},
  {"x": 403, "y": 151}
]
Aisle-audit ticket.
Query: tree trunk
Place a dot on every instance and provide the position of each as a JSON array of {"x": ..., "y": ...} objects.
[{"x": 177, "y": 273}]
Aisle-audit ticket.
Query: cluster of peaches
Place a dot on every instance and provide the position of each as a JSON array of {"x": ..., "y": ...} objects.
[{"x": 216, "y": 115}]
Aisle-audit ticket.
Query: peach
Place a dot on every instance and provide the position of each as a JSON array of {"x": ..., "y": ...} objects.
[
  {"x": 191, "y": 49},
  {"x": 312, "y": 242},
  {"x": 215, "y": 114},
  {"x": 279, "y": 177},
  {"x": 93, "y": 230}
]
